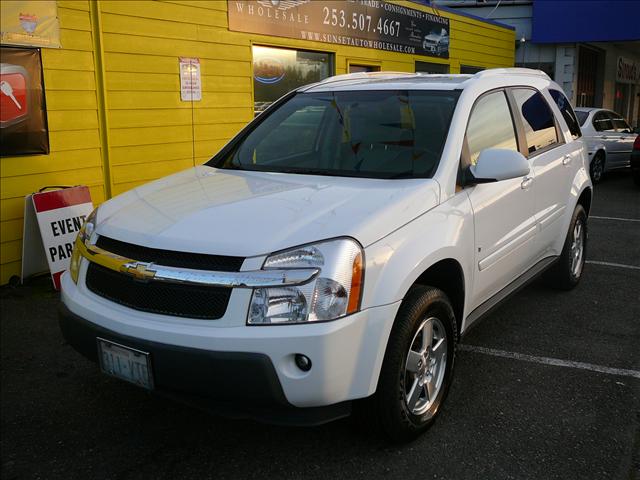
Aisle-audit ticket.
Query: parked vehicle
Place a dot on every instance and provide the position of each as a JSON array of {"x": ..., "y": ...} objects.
[
  {"x": 635, "y": 161},
  {"x": 609, "y": 140},
  {"x": 331, "y": 255}
]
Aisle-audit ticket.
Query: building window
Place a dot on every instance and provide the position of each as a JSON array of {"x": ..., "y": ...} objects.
[
  {"x": 363, "y": 68},
  {"x": 621, "y": 102},
  {"x": 470, "y": 69},
  {"x": 428, "y": 67},
  {"x": 277, "y": 71}
]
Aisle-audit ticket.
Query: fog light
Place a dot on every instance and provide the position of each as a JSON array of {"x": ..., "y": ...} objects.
[{"x": 303, "y": 362}]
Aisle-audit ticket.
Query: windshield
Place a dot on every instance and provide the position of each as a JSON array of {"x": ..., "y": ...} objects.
[
  {"x": 582, "y": 117},
  {"x": 374, "y": 134}
]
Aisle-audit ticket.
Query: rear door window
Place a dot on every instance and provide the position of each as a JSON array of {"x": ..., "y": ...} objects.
[
  {"x": 602, "y": 122},
  {"x": 567, "y": 112},
  {"x": 537, "y": 119},
  {"x": 619, "y": 123}
]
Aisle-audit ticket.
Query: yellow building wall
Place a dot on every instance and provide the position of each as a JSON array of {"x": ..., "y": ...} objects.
[
  {"x": 75, "y": 158},
  {"x": 113, "y": 94}
]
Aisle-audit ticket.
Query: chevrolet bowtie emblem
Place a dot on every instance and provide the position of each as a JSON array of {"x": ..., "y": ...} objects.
[{"x": 139, "y": 270}]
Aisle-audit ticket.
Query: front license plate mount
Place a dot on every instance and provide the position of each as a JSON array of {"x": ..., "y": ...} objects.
[{"x": 125, "y": 363}]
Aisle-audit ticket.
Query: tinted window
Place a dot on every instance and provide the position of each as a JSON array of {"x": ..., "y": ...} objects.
[
  {"x": 375, "y": 134},
  {"x": 303, "y": 125},
  {"x": 490, "y": 125},
  {"x": 582, "y": 117},
  {"x": 602, "y": 122},
  {"x": 619, "y": 123},
  {"x": 537, "y": 119},
  {"x": 567, "y": 112}
]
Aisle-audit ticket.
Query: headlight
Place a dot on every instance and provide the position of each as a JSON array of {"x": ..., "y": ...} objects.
[
  {"x": 83, "y": 236},
  {"x": 334, "y": 292}
]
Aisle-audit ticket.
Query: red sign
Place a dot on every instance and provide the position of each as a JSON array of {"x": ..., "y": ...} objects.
[
  {"x": 13, "y": 95},
  {"x": 61, "y": 214}
]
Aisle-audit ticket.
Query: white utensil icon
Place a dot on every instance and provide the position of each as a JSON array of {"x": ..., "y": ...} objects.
[{"x": 7, "y": 89}]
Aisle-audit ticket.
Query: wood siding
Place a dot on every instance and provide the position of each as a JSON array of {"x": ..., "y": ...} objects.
[{"x": 149, "y": 132}]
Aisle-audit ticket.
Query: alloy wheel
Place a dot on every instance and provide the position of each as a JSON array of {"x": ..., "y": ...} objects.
[
  {"x": 425, "y": 366},
  {"x": 577, "y": 248}
]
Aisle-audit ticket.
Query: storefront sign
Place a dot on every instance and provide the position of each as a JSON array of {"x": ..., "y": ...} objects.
[
  {"x": 627, "y": 71},
  {"x": 29, "y": 23},
  {"x": 60, "y": 215},
  {"x": 23, "y": 122},
  {"x": 363, "y": 23},
  {"x": 190, "y": 84}
]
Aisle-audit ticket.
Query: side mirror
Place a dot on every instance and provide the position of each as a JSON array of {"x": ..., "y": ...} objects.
[{"x": 496, "y": 164}]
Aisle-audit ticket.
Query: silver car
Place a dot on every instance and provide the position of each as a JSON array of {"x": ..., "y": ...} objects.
[{"x": 609, "y": 139}]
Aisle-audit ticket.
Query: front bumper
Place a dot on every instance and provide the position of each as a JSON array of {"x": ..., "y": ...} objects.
[
  {"x": 233, "y": 384},
  {"x": 227, "y": 362}
]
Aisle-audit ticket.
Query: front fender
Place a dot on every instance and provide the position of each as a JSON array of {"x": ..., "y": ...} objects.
[{"x": 396, "y": 261}]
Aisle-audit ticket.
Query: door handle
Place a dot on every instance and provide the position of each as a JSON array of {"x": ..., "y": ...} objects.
[
  {"x": 526, "y": 183},
  {"x": 567, "y": 159}
]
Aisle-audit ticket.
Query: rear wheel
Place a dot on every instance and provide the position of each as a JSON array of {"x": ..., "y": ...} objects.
[
  {"x": 567, "y": 271},
  {"x": 596, "y": 169},
  {"x": 417, "y": 368}
]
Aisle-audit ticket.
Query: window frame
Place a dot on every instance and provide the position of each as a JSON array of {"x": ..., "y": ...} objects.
[
  {"x": 524, "y": 148},
  {"x": 575, "y": 115}
]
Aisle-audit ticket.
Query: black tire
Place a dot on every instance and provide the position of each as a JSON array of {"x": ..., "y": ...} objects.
[
  {"x": 636, "y": 177},
  {"x": 387, "y": 410},
  {"x": 596, "y": 169},
  {"x": 563, "y": 275}
]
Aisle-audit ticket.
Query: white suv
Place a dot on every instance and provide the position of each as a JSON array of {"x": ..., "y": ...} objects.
[{"x": 332, "y": 253}]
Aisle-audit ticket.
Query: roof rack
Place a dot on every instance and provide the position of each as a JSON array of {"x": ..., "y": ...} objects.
[
  {"x": 355, "y": 76},
  {"x": 493, "y": 72}
]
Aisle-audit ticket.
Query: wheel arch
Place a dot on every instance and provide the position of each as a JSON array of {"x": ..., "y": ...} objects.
[
  {"x": 585, "y": 199},
  {"x": 447, "y": 275},
  {"x": 600, "y": 150}
]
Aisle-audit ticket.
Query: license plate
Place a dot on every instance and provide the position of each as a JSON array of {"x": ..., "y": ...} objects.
[{"x": 125, "y": 363}]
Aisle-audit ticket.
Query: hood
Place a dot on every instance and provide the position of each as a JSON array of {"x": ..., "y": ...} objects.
[{"x": 242, "y": 213}]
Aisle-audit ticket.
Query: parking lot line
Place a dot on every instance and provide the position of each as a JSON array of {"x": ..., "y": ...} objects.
[
  {"x": 610, "y": 264},
  {"x": 615, "y": 218},
  {"x": 550, "y": 361}
]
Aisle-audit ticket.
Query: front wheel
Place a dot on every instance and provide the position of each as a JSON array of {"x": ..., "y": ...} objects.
[
  {"x": 596, "y": 169},
  {"x": 567, "y": 271},
  {"x": 417, "y": 367}
]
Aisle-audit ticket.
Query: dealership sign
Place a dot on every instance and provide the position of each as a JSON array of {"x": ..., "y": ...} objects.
[
  {"x": 627, "y": 70},
  {"x": 356, "y": 23},
  {"x": 51, "y": 223}
]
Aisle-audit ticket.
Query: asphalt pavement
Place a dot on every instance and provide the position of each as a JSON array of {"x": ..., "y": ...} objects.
[{"x": 545, "y": 387}]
